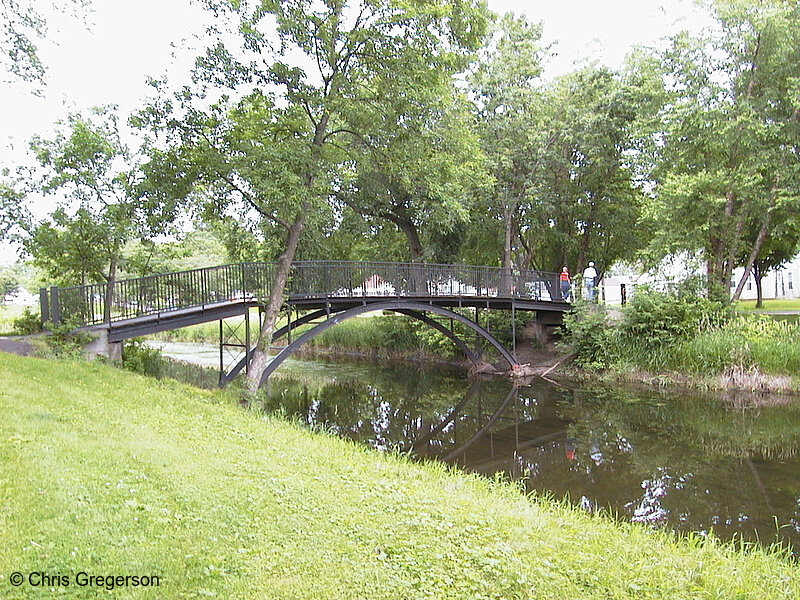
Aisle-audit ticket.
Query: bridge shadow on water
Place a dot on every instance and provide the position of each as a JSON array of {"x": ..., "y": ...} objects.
[{"x": 672, "y": 462}]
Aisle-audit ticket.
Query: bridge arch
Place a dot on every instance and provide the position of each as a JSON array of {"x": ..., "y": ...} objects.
[
  {"x": 313, "y": 316},
  {"x": 412, "y": 309}
]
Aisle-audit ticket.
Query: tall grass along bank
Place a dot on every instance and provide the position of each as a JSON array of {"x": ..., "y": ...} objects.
[
  {"x": 689, "y": 340},
  {"x": 108, "y": 474}
]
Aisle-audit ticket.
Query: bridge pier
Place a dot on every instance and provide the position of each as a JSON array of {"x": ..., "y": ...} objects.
[{"x": 101, "y": 346}]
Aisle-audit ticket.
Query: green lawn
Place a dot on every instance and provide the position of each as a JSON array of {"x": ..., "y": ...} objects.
[
  {"x": 777, "y": 305},
  {"x": 108, "y": 472},
  {"x": 7, "y": 315}
]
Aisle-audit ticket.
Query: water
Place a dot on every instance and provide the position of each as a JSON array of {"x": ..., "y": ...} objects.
[{"x": 675, "y": 460}]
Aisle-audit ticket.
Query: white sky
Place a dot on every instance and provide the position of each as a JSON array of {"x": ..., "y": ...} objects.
[{"x": 129, "y": 41}]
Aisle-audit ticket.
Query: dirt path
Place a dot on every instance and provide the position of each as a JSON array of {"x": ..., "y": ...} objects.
[
  {"x": 15, "y": 346},
  {"x": 539, "y": 349}
]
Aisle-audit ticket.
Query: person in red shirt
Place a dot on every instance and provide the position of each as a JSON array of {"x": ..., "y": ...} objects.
[{"x": 565, "y": 284}]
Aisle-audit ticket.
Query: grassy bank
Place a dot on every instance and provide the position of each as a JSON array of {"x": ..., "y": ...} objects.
[
  {"x": 112, "y": 473},
  {"x": 687, "y": 341},
  {"x": 770, "y": 305}
]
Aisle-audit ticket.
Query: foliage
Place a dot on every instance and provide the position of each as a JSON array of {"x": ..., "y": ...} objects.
[
  {"x": 139, "y": 358},
  {"x": 589, "y": 333},
  {"x": 88, "y": 162},
  {"x": 654, "y": 318},
  {"x": 727, "y": 172},
  {"x": 193, "y": 250},
  {"x": 752, "y": 342},
  {"x": 14, "y": 215},
  {"x": 64, "y": 341},
  {"x": 27, "y": 323},
  {"x": 560, "y": 152},
  {"x": 9, "y": 282},
  {"x": 23, "y": 25}
]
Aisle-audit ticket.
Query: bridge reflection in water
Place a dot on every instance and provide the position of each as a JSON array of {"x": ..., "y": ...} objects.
[{"x": 322, "y": 293}]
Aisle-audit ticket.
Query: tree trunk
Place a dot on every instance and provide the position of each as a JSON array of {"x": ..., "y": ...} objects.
[
  {"x": 762, "y": 235},
  {"x": 757, "y": 275},
  {"x": 260, "y": 358},
  {"x": 409, "y": 229}
]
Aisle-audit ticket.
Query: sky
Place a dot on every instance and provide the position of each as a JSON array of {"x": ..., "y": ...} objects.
[{"x": 109, "y": 61}]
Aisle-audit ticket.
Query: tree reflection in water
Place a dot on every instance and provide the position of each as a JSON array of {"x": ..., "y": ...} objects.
[{"x": 690, "y": 463}]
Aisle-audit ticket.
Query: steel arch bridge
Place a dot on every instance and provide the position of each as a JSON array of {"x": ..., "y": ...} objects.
[{"x": 322, "y": 293}]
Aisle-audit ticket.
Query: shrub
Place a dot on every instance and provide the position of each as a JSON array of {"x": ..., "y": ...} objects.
[
  {"x": 589, "y": 332},
  {"x": 655, "y": 318},
  {"x": 141, "y": 359},
  {"x": 64, "y": 340},
  {"x": 27, "y": 323}
]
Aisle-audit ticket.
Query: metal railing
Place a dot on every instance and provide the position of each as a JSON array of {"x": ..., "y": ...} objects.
[
  {"x": 369, "y": 279},
  {"x": 156, "y": 294}
]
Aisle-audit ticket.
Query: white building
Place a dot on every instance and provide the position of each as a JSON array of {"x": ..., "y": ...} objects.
[{"x": 776, "y": 284}]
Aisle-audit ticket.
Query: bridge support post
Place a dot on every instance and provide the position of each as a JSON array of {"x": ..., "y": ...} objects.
[
  {"x": 100, "y": 346},
  {"x": 514, "y": 330},
  {"x": 55, "y": 309},
  {"x": 233, "y": 339},
  {"x": 247, "y": 339}
]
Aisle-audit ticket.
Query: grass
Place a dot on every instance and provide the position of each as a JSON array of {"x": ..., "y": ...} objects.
[
  {"x": 770, "y": 305},
  {"x": 107, "y": 472},
  {"x": 7, "y": 315}
]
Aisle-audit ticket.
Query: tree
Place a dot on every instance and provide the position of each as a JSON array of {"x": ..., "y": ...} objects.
[
  {"x": 584, "y": 203},
  {"x": 14, "y": 215},
  {"x": 22, "y": 25},
  {"x": 102, "y": 209},
  {"x": 420, "y": 175},
  {"x": 306, "y": 75},
  {"x": 507, "y": 96},
  {"x": 731, "y": 136},
  {"x": 565, "y": 190},
  {"x": 779, "y": 247},
  {"x": 9, "y": 282}
]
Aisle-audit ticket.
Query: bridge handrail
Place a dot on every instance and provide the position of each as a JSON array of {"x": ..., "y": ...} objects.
[{"x": 164, "y": 292}]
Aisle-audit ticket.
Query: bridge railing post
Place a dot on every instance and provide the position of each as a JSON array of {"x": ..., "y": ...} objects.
[
  {"x": 55, "y": 309},
  {"x": 44, "y": 306}
]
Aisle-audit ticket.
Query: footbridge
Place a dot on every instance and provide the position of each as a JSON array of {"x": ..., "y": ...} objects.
[{"x": 320, "y": 294}]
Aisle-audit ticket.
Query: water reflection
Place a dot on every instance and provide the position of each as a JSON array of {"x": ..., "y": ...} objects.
[{"x": 687, "y": 463}]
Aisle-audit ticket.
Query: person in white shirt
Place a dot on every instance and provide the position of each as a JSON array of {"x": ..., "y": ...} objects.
[{"x": 589, "y": 277}]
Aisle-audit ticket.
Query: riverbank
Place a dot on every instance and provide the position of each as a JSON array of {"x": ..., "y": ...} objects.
[
  {"x": 155, "y": 478},
  {"x": 747, "y": 355}
]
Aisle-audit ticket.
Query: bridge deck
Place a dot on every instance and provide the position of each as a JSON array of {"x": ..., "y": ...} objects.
[{"x": 548, "y": 312}]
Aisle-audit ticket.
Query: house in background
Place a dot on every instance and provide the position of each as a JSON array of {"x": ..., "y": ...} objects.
[{"x": 783, "y": 283}]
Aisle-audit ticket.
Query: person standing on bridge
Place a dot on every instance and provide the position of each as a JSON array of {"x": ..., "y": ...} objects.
[
  {"x": 589, "y": 276},
  {"x": 565, "y": 284}
]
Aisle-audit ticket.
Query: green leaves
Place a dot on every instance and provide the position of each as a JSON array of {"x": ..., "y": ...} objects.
[{"x": 730, "y": 139}]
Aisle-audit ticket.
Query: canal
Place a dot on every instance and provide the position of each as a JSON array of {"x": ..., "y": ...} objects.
[{"x": 679, "y": 460}]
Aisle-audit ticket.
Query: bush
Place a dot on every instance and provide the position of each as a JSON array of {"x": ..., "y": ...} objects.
[
  {"x": 655, "y": 318},
  {"x": 64, "y": 340},
  {"x": 27, "y": 323},
  {"x": 589, "y": 332},
  {"x": 141, "y": 359}
]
